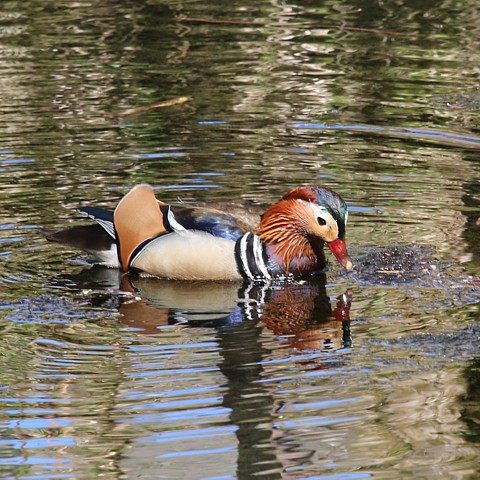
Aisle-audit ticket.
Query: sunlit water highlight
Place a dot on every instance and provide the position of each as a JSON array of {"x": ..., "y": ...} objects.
[{"x": 368, "y": 374}]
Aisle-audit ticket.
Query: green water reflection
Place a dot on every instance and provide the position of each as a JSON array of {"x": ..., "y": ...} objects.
[{"x": 100, "y": 376}]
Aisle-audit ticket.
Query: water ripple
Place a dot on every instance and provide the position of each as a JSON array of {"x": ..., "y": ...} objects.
[{"x": 439, "y": 137}]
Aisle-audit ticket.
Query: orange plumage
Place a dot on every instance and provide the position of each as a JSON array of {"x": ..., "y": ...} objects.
[{"x": 284, "y": 226}]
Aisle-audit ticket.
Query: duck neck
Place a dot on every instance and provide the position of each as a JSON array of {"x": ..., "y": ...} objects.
[
  {"x": 287, "y": 244},
  {"x": 259, "y": 261}
]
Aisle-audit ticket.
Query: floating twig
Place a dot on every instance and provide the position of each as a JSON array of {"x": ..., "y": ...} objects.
[{"x": 147, "y": 108}]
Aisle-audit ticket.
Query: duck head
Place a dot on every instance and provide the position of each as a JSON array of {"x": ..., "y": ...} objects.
[{"x": 296, "y": 228}]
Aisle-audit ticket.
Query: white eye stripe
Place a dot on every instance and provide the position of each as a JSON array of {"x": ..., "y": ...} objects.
[
  {"x": 322, "y": 212},
  {"x": 328, "y": 232},
  {"x": 319, "y": 211}
]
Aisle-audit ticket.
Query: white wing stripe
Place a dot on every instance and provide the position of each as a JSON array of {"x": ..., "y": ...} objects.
[{"x": 173, "y": 222}]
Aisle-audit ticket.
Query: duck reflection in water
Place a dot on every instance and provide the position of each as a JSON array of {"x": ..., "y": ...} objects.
[
  {"x": 241, "y": 319},
  {"x": 300, "y": 313}
]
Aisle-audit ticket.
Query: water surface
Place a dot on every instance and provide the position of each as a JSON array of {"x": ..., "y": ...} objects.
[{"x": 368, "y": 374}]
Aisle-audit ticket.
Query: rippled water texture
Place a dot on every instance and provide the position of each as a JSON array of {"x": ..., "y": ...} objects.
[{"x": 368, "y": 374}]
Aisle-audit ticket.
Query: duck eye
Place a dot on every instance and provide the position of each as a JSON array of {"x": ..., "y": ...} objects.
[{"x": 321, "y": 221}]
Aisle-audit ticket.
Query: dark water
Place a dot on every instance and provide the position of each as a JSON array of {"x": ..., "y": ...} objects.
[{"x": 110, "y": 377}]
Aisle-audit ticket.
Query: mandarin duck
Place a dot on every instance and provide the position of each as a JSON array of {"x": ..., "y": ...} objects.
[{"x": 186, "y": 242}]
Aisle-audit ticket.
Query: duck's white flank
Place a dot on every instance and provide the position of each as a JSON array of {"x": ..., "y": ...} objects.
[
  {"x": 189, "y": 255},
  {"x": 106, "y": 258}
]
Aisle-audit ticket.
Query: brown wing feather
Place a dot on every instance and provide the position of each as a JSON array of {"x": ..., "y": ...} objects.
[
  {"x": 89, "y": 238},
  {"x": 137, "y": 218}
]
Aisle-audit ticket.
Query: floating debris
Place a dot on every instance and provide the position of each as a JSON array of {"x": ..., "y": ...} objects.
[
  {"x": 147, "y": 108},
  {"x": 397, "y": 264}
]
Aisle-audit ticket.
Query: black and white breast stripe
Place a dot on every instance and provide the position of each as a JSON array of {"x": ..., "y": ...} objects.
[{"x": 251, "y": 258}]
